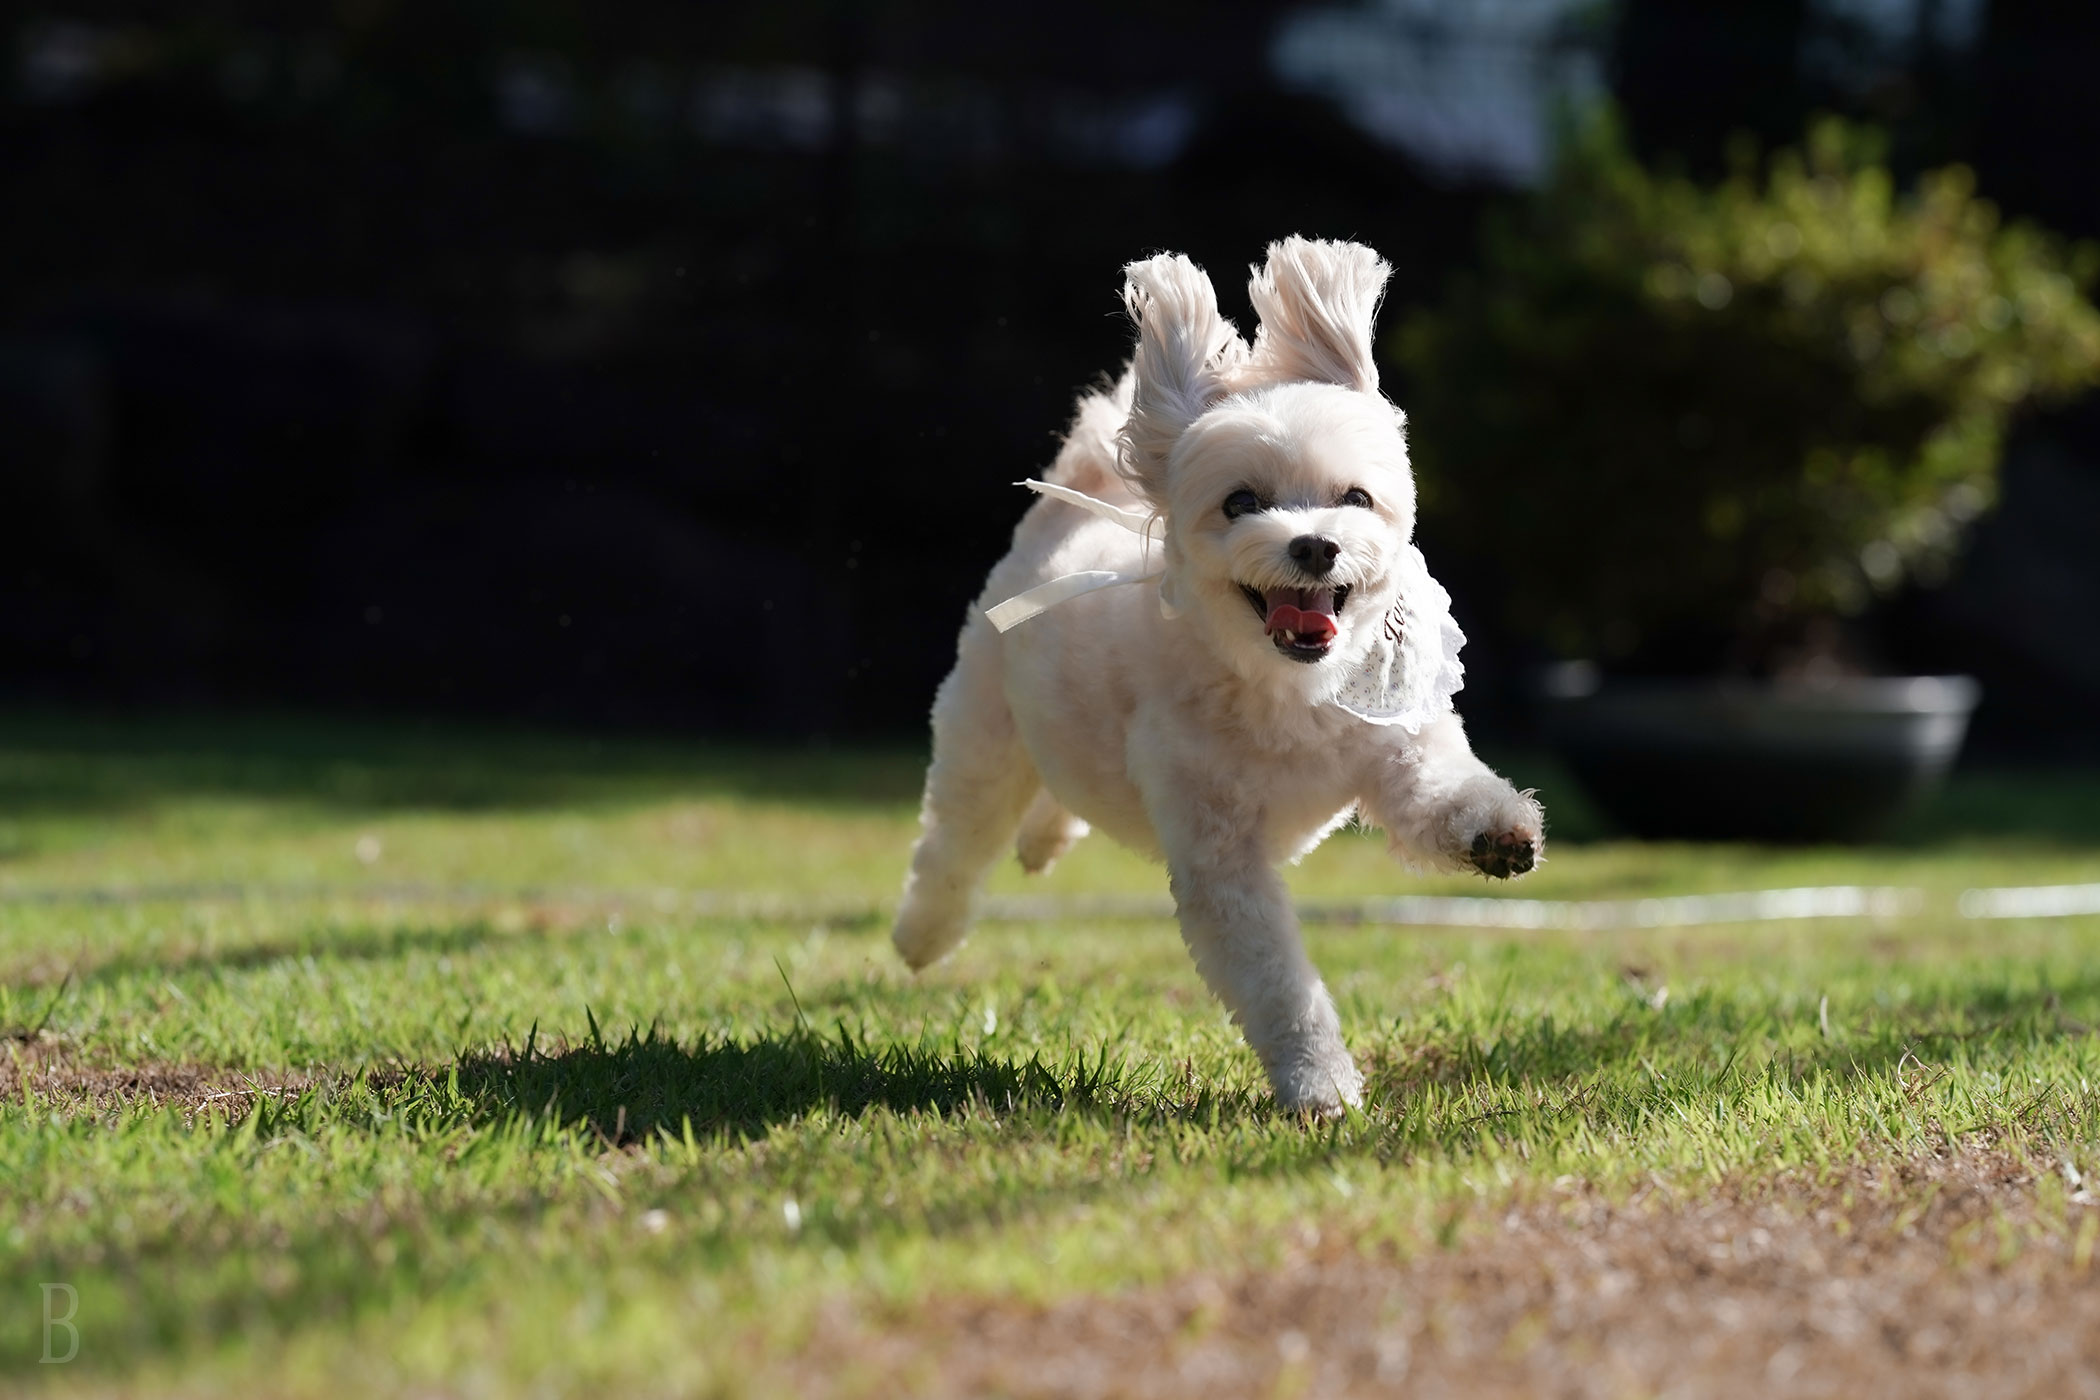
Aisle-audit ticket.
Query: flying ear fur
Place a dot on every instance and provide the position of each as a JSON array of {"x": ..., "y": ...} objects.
[
  {"x": 1185, "y": 353},
  {"x": 1317, "y": 300}
]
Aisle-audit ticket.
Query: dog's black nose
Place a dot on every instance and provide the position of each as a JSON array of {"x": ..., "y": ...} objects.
[{"x": 1314, "y": 554}]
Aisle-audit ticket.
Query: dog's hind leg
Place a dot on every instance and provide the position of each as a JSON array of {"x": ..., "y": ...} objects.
[
  {"x": 979, "y": 784},
  {"x": 1047, "y": 832}
]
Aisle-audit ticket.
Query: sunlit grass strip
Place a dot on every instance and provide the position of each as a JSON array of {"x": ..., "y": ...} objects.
[{"x": 1430, "y": 911}]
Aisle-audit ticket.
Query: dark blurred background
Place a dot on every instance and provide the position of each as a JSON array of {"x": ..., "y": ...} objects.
[{"x": 666, "y": 365}]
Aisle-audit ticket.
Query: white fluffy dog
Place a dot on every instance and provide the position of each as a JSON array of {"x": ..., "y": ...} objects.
[{"x": 1292, "y": 669}]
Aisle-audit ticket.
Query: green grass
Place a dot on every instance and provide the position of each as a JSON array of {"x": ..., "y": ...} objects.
[{"x": 541, "y": 1139}]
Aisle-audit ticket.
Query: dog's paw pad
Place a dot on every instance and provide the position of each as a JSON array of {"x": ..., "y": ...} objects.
[{"x": 1501, "y": 854}]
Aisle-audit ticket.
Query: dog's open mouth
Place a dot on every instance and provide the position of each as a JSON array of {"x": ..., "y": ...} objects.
[{"x": 1300, "y": 621}]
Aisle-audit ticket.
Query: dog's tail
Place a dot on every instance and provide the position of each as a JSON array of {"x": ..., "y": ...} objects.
[{"x": 1087, "y": 461}]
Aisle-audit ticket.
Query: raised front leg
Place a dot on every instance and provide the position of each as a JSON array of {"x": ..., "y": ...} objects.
[
  {"x": 1444, "y": 808},
  {"x": 1237, "y": 921}
]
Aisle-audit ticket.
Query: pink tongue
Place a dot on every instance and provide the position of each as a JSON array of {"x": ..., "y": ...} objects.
[{"x": 1307, "y": 611}]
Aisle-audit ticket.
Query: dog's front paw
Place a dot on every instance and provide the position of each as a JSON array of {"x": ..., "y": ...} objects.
[
  {"x": 1501, "y": 854},
  {"x": 1497, "y": 830}
]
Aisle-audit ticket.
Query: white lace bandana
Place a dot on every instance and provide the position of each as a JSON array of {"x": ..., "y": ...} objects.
[
  {"x": 1414, "y": 670},
  {"x": 1407, "y": 680}
]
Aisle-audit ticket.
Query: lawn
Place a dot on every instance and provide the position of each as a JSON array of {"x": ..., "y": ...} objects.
[{"x": 367, "y": 1060}]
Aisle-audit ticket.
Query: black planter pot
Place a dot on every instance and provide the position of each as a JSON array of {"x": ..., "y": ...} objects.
[{"x": 1777, "y": 761}]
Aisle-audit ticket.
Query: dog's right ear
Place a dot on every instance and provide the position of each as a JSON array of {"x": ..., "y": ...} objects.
[{"x": 1185, "y": 351}]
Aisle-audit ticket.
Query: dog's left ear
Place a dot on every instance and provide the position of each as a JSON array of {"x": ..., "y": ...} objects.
[
  {"x": 1317, "y": 300},
  {"x": 1185, "y": 350}
]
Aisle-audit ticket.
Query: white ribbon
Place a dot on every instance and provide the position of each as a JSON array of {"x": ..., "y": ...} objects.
[
  {"x": 1135, "y": 521},
  {"x": 1040, "y": 599},
  {"x": 1407, "y": 680}
]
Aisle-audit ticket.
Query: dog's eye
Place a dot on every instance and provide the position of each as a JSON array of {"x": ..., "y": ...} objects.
[
  {"x": 1242, "y": 502},
  {"x": 1356, "y": 496}
]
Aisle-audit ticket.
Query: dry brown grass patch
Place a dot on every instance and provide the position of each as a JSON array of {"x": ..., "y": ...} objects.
[
  {"x": 58, "y": 1075},
  {"x": 1937, "y": 1276}
]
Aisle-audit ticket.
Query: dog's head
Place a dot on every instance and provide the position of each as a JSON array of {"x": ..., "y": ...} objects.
[{"x": 1280, "y": 471}]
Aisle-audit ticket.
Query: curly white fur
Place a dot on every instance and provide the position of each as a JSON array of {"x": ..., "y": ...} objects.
[{"x": 1188, "y": 733}]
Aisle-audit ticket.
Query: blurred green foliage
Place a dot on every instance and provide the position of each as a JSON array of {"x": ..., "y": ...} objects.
[{"x": 1666, "y": 412}]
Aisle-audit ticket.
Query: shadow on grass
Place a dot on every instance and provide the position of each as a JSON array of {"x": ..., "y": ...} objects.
[
  {"x": 1698, "y": 1050},
  {"x": 2050, "y": 809},
  {"x": 52, "y": 765},
  {"x": 2053, "y": 808},
  {"x": 649, "y": 1083},
  {"x": 373, "y": 944}
]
